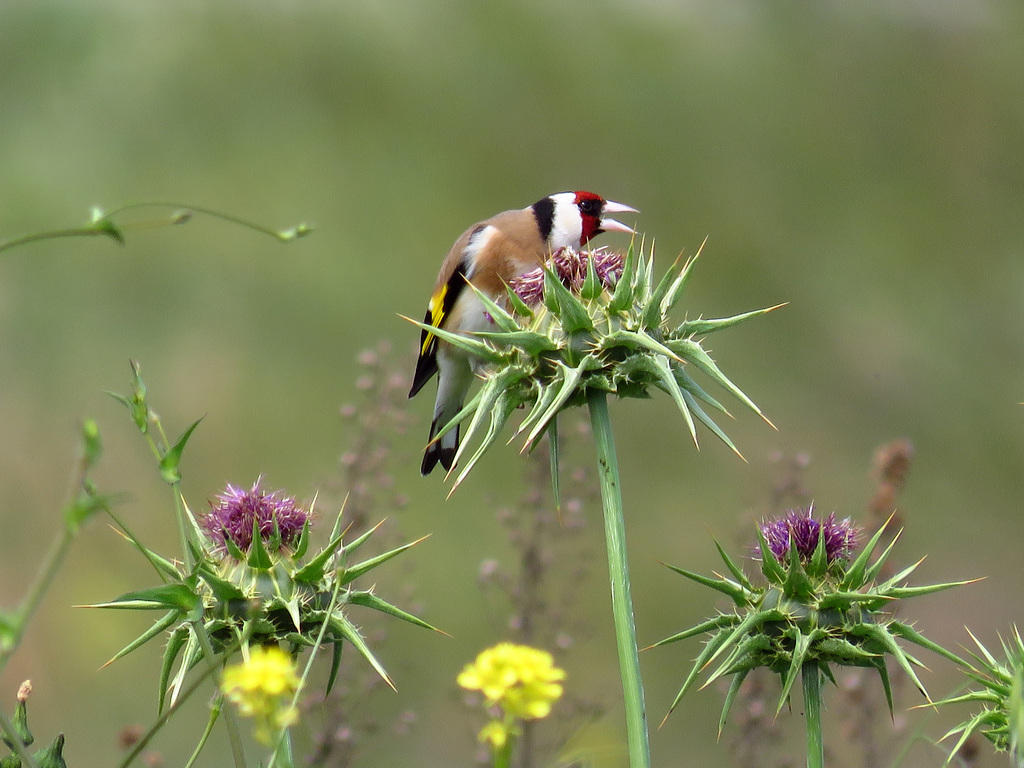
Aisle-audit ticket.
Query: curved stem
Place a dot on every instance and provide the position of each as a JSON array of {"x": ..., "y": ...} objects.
[
  {"x": 618, "y": 572},
  {"x": 812, "y": 713}
]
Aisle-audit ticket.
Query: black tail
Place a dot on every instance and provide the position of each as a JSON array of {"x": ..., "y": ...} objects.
[{"x": 442, "y": 449}]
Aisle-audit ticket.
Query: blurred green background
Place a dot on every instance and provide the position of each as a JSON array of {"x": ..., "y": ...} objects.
[{"x": 861, "y": 160}]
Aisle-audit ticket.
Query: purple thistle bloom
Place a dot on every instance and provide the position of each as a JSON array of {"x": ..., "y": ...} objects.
[
  {"x": 840, "y": 536},
  {"x": 234, "y": 511},
  {"x": 571, "y": 268}
]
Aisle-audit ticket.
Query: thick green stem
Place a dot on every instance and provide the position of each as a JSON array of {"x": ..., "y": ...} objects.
[
  {"x": 618, "y": 571},
  {"x": 812, "y": 713}
]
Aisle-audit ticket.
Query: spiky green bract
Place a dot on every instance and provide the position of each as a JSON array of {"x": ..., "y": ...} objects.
[
  {"x": 616, "y": 340},
  {"x": 268, "y": 595},
  {"x": 811, "y": 612},
  {"x": 1001, "y": 719}
]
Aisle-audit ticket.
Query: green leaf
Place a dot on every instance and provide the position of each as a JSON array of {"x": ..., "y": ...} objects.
[
  {"x": 315, "y": 569},
  {"x": 819, "y": 560},
  {"x": 652, "y": 314},
  {"x": 532, "y": 343},
  {"x": 890, "y": 583},
  {"x": 843, "y": 600},
  {"x": 156, "y": 629},
  {"x": 883, "y": 675},
  {"x": 700, "y": 327},
  {"x": 900, "y": 593},
  {"x": 166, "y": 596},
  {"x": 258, "y": 556},
  {"x": 910, "y": 634},
  {"x": 335, "y": 666},
  {"x": 232, "y": 546},
  {"x": 570, "y": 379},
  {"x": 770, "y": 565},
  {"x": 642, "y": 340},
  {"x": 622, "y": 299},
  {"x": 707, "y": 421},
  {"x": 841, "y": 651},
  {"x": 689, "y": 384},
  {"x": 726, "y": 587},
  {"x": 169, "y": 464},
  {"x": 985, "y": 717},
  {"x": 516, "y": 304},
  {"x": 669, "y": 384},
  {"x": 572, "y": 314},
  {"x": 730, "y": 697},
  {"x": 369, "y": 600},
  {"x": 86, "y": 504},
  {"x": 503, "y": 408},
  {"x": 711, "y": 648},
  {"x": 752, "y": 619},
  {"x": 746, "y": 655},
  {"x": 174, "y": 645},
  {"x": 223, "y": 590},
  {"x": 881, "y": 635},
  {"x": 854, "y": 576},
  {"x": 342, "y": 627},
  {"x": 801, "y": 645},
  {"x": 592, "y": 287},
  {"x": 797, "y": 583},
  {"x": 675, "y": 292},
  {"x": 303, "y": 543},
  {"x": 734, "y": 569},
  {"x": 101, "y": 224},
  {"x": 358, "y": 541},
  {"x": 872, "y": 571},
  {"x": 501, "y": 318},
  {"x": 473, "y": 346},
  {"x": 545, "y": 396},
  {"x": 719, "y": 622},
  {"x": 692, "y": 352},
  {"x": 354, "y": 572}
]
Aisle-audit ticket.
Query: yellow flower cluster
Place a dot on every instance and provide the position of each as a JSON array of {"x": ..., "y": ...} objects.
[
  {"x": 524, "y": 682},
  {"x": 262, "y": 687}
]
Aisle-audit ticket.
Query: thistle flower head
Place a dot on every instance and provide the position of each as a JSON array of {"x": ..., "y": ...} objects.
[
  {"x": 272, "y": 594},
  {"x": 802, "y": 529},
  {"x": 237, "y": 513},
  {"x": 816, "y": 607},
  {"x": 262, "y": 687},
  {"x": 588, "y": 321},
  {"x": 571, "y": 268}
]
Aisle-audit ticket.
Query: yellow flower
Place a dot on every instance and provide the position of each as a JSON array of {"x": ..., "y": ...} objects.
[
  {"x": 262, "y": 687},
  {"x": 496, "y": 732},
  {"x": 523, "y": 681}
]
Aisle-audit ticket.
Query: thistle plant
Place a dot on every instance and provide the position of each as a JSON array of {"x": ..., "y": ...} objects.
[
  {"x": 249, "y": 581},
  {"x": 18, "y": 737},
  {"x": 519, "y": 683},
  {"x": 819, "y": 608},
  {"x": 1001, "y": 695},
  {"x": 586, "y": 326}
]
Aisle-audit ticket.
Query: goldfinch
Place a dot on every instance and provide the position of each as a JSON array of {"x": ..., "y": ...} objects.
[{"x": 489, "y": 254}]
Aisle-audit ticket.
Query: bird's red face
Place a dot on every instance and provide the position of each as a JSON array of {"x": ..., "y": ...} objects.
[{"x": 592, "y": 208}]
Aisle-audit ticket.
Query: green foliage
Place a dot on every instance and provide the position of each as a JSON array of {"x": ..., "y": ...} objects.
[
  {"x": 1001, "y": 696},
  {"x": 811, "y": 611}
]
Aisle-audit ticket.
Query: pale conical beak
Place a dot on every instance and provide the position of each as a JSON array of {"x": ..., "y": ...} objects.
[{"x": 611, "y": 225}]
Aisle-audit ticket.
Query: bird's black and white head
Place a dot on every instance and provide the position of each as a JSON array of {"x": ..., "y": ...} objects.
[{"x": 571, "y": 219}]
